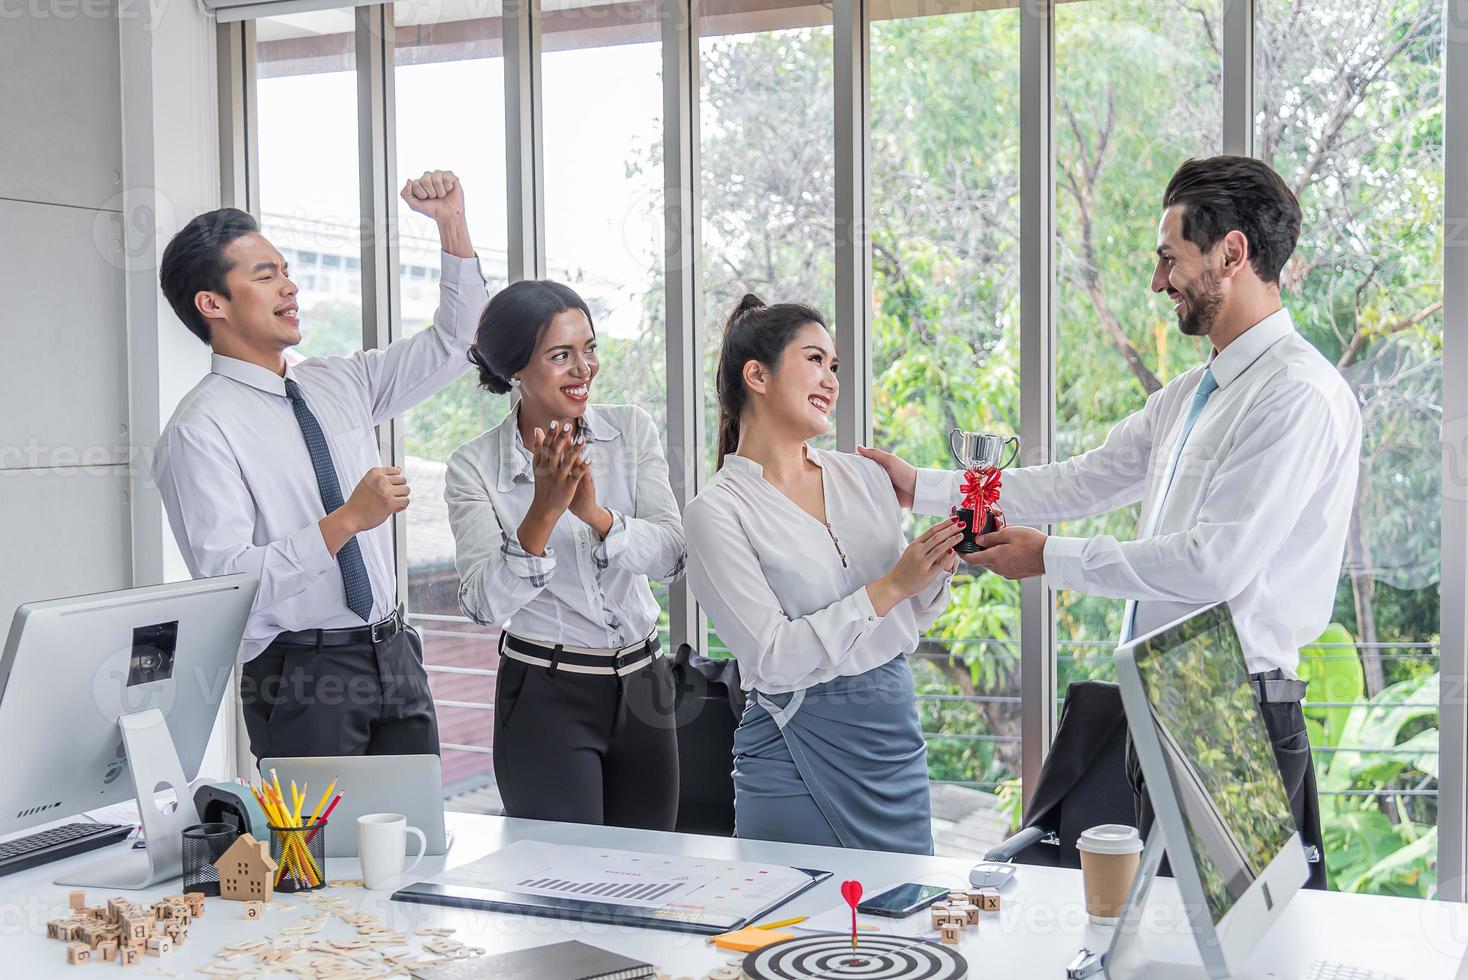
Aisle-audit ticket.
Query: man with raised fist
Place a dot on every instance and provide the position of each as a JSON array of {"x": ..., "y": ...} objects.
[{"x": 272, "y": 468}]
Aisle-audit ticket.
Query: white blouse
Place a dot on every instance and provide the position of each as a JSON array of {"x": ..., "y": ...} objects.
[
  {"x": 584, "y": 591},
  {"x": 787, "y": 593}
]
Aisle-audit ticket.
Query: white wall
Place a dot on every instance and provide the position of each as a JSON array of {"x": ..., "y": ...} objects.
[
  {"x": 110, "y": 144},
  {"x": 64, "y": 428}
]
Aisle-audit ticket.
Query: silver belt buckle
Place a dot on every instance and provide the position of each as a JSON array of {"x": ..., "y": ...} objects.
[{"x": 385, "y": 629}]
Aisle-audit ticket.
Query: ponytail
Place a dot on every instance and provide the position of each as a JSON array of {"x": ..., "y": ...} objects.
[{"x": 753, "y": 332}]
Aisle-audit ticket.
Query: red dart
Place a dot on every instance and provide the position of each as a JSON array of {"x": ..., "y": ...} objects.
[{"x": 851, "y": 891}]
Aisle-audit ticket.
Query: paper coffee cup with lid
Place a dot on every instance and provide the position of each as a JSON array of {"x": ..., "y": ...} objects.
[{"x": 1110, "y": 853}]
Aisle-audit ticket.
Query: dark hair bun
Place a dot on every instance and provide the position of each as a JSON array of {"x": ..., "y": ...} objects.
[
  {"x": 749, "y": 301},
  {"x": 488, "y": 379},
  {"x": 512, "y": 323}
]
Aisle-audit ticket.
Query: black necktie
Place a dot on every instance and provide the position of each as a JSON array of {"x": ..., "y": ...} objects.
[{"x": 354, "y": 570}]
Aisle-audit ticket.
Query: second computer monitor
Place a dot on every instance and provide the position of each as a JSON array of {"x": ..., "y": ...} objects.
[
  {"x": 1213, "y": 781},
  {"x": 72, "y": 667}
]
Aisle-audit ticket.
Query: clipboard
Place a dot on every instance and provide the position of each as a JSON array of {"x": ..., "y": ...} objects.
[{"x": 631, "y": 888}]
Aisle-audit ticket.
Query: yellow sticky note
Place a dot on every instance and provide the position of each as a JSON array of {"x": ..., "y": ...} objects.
[{"x": 749, "y": 939}]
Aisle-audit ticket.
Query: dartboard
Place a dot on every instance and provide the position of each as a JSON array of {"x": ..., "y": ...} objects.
[{"x": 830, "y": 957}]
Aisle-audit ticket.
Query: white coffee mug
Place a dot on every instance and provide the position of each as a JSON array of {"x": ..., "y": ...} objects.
[{"x": 382, "y": 847}]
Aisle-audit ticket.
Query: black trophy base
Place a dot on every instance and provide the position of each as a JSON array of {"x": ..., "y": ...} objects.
[{"x": 967, "y": 545}]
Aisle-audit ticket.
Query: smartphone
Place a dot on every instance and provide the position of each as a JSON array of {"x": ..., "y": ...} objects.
[{"x": 902, "y": 900}]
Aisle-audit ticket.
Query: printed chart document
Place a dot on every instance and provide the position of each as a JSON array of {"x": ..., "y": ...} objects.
[{"x": 598, "y": 884}]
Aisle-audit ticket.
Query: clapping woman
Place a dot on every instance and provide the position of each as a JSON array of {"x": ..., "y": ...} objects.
[{"x": 561, "y": 514}]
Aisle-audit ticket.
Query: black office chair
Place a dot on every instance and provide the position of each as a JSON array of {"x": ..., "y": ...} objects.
[
  {"x": 708, "y": 704},
  {"x": 1083, "y": 782}
]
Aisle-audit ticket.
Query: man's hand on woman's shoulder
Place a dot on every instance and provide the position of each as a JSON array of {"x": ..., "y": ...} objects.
[{"x": 902, "y": 473}]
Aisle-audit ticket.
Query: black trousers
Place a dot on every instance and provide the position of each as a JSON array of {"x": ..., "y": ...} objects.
[
  {"x": 1285, "y": 722},
  {"x": 587, "y": 748},
  {"x": 361, "y": 699}
]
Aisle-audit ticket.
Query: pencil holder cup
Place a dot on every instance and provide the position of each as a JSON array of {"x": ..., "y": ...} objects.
[
  {"x": 203, "y": 844},
  {"x": 300, "y": 857}
]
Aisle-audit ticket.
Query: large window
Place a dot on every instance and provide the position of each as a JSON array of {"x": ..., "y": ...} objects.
[
  {"x": 768, "y": 144},
  {"x": 1350, "y": 112},
  {"x": 1138, "y": 91},
  {"x": 1349, "y": 106},
  {"x": 604, "y": 188},
  {"x": 604, "y": 194},
  {"x": 449, "y": 80},
  {"x": 309, "y": 205},
  {"x": 945, "y": 350}
]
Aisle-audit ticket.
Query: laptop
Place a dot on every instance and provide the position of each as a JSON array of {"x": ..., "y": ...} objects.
[{"x": 406, "y": 784}]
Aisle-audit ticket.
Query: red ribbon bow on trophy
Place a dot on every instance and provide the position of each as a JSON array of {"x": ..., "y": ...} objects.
[{"x": 981, "y": 492}]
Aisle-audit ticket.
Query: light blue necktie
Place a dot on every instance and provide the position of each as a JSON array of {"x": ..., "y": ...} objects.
[
  {"x": 355, "y": 584},
  {"x": 1206, "y": 387}
]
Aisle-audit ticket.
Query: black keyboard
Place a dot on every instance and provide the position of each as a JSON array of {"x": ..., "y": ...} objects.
[{"x": 55, "y": 843}]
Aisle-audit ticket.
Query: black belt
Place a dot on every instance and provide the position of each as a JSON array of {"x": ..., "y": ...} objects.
[
  {"x": 581, "y": 660},
  {"x": 347, "y": 636},
  {"x": 1273, "y": 687}
]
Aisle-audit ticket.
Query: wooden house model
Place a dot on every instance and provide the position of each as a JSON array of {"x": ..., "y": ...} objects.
[{"x": 246, "y": 871}]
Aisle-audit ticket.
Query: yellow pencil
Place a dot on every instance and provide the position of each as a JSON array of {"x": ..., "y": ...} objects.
[
  {"x": 279, "y": 796},
  {"x": 292, "y": 852},
  {"x": 262, "y": 796},
  {"x": 324, "y": 797},
  {"x": 303, "y": 860},
  {"x": 782, "y": 922}
]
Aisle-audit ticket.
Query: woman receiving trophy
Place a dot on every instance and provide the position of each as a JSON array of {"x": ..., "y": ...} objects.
[{"x": 798, "y": 556}]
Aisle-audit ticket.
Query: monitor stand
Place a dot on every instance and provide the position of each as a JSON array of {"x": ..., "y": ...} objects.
[
  {"x": 1162, "y": 949},
  {"x": 153, "y": 761}
]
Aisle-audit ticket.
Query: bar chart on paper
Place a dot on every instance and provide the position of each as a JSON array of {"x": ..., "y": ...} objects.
[{"x": 638, "y": 889}]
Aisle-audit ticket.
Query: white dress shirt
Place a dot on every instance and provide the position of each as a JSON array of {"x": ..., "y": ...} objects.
[
  {"x": 237, "y": 481},
  {"x": 787, "y": 593},
  {"x": 584, "y": 591},
  {"x": 1257, "y": 512}
]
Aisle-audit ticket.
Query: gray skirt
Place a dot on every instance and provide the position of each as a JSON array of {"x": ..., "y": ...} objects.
[{"x": 841, "y": 764}]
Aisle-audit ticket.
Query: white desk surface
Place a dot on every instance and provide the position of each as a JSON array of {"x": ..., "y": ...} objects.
[{"x": 1036, "y": 934}]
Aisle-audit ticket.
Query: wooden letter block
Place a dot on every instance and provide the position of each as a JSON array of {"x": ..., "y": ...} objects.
[
  {"x": 970, "y": 914},
  {"x": 253, "y": 910},
  {"x": 77, "y": 900},
  {"x": 136, "y": 929},
  {"x": 78, "y": 953},
  {"x": 989, "y": 899},
  {"x": 107, "y": 950},
  {"x": 195, "y": 902},
  {"x": 950, "y": 932},
  {"x": 940, "y": 913},
  {"x": 159, "y": 945},
  {"x": 162, "y": 910},
  {"x": 128, "y": 956}
]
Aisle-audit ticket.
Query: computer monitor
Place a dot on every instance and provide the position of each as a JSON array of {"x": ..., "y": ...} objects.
[
  {"x": 105, "y": 697},
  {"x": 1222, "y": 812}
]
